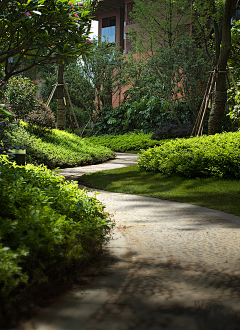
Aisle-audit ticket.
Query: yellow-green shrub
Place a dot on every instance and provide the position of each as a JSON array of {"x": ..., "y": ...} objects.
[
  {"x": 216, "y": 155},
  {"x": 45, "y": 223},
  {"x": 125, "y": 142},
  {"x": 59, "y": 148}
]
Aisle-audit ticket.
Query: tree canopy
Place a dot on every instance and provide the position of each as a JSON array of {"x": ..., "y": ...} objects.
[
  {"x": 36, "y": 32},
  {"x": 209, "y": 23}
]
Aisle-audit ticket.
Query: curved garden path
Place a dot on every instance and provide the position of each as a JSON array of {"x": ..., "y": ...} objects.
[{"x": 176, "y": 267}]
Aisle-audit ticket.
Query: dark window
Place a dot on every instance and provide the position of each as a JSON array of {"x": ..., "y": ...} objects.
[
  {"x": 237, "y": 14},
  {"x": 109, "y": 29}
]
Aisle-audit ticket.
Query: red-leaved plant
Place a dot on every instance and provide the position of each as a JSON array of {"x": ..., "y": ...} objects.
[{"x": 41, "y": 119}]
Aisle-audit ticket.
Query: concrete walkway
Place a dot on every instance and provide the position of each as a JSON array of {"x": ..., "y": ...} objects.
[{"x": 177, "y": 267}]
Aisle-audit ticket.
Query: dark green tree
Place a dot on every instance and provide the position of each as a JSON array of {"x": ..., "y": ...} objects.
[
  {"x": 41, "y": 31},
  {"x": 221, "y": 13}
]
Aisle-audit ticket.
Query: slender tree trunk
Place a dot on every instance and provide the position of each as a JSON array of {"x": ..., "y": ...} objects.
[
  {"x": 220, "y": 92},
  {"x": 61, "y": 116}
]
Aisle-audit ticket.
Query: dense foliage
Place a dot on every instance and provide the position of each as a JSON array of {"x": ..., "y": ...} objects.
[
  {"x": 58, "y": 148},
  {"x": 125, "y": 142},
  {"x": 217, "y": 156},
  {"x": 7, "y": 125},
  {"x": 160, "y": 23},
  {"x": 146, "y": 114},
  {"x": 234, "y": 64},
  {"x": 37, "y": 32},
  {"x": 106, "y": 72},
  {"x": 46, "y": 225},
  {"x": 176, "y": 75},
  {"x": 21, "y": 95},
  {"x": 41, "y": 118}
]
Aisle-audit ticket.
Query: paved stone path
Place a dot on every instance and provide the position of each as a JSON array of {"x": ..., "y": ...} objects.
[{"x": 178, "y": 269}]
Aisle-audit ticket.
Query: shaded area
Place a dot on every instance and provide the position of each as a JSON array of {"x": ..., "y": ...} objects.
[
  {"x": 44, "y": 294},
  {"x": 222, "y": 195},
  {"x": 160, "y": 304}
]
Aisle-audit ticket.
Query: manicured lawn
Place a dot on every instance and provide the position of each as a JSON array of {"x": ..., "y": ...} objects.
[{"x": 222, "y": 195}]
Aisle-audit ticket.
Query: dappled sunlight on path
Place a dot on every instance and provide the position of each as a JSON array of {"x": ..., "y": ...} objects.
[{"x": 177, "y": 267}]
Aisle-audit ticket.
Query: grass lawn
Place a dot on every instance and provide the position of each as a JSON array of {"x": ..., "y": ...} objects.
[{"x": 222, "y": 195}]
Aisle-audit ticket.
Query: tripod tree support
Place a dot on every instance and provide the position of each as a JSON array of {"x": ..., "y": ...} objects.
[
  {"x": 70, "y": 102},
  {"x": 65, "y": 89},
  {"x": 198, "y": 126},
  {"x": 61, "y": 114}
]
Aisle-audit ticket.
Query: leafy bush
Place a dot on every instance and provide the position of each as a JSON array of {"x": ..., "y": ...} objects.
[
  {"x": 46, "y": 225},
  {"x": 41, "y": 118},
  {"x": 21, "y": 95},
  {"x": 169, "y": 131},
  {"x": 7, "y": 124},
  {"x": 122, "y": 143},
  {"x": 145, "y": 114},
  {"x": 234, "y": 112},
  {"x": 59, "y": 149},
  {"x": 216, "y": 155}
]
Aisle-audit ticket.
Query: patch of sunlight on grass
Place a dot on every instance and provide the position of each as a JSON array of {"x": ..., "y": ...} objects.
[{"x": 222, "y": 195}]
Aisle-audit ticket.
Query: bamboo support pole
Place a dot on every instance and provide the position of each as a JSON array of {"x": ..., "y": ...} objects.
[
  {"x": 197, "y": 122},
  {"x": 200, "y": 128},
  {"x": 66, "y": 103},
  {"x": 51, "y": 95},
  {"x": 74, "y": 115}
]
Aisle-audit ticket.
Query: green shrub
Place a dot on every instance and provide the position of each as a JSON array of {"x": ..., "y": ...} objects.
[
  {"x": 59, "y": 149},
  {"x": 46, "y": 223},
  {"x": 234, "y": 112},
  {"x": 145, "y": 114},
  {"x": 21, "y": 95},
  {"x": 216, "y": 155},
  {"x": 122, "y": 143}
]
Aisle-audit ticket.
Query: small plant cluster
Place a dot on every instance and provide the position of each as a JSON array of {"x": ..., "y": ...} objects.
[
  {"x": 58, "y": 149},
  {"x": 47, "y": 225},
  {"x": 207, "y": 156},
  {"x": 7, "y": 124},
  {"x": 4, "y": 127},
  {"x": 234, "y": 113},
  {"x": 41, "y": 119},
  {"x": 21, "y": 95},
  {"x": 125, "y": 142},
  {"x": 172, "y": 131}
]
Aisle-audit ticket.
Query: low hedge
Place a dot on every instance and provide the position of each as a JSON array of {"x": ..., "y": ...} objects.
[
  {"x": 207, "y": 156},
  {"x": 47, "y": 225},
  {"x": 125, "y": 142},
  {"x": 58, "y": 148}
]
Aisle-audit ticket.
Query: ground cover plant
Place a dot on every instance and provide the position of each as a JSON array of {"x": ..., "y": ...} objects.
[
  {"x": 58, "y": 148},
  {"x": 216, "y": 155},
  {"x": 222, "y": 195},
  {"x": 47, "y": 227},
  {"x": 125, "y": 142}
]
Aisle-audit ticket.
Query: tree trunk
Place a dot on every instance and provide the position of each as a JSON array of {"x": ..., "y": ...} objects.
[
  {"x": 61, "y": 116},
  {"x": 220, "y": 93}
]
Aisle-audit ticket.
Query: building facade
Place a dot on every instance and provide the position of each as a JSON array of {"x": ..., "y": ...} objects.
[{"x": 114, "y": 20}]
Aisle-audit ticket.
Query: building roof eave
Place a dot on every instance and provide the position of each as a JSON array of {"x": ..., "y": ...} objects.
[{"x": 108, "y": 5}]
